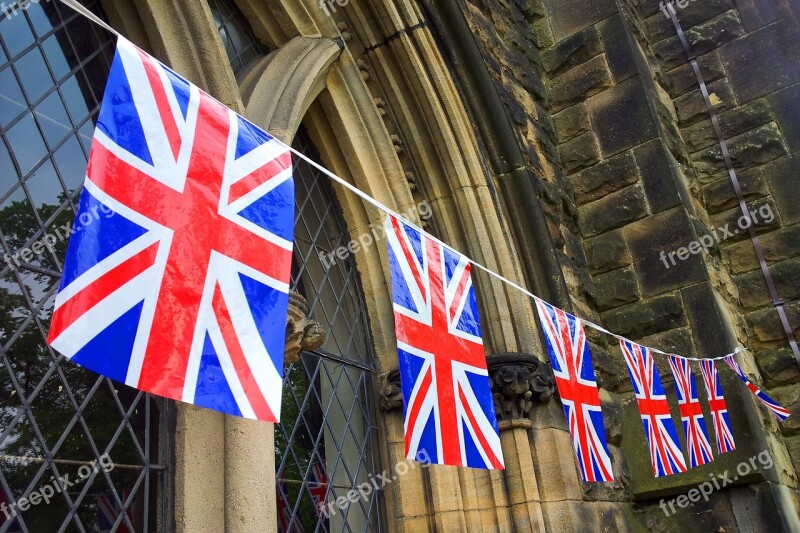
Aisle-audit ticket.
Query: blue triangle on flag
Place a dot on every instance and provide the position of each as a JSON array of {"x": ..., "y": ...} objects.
[
  {"x": 212, "y": 389},
  {"x": 109, "y": 353}
]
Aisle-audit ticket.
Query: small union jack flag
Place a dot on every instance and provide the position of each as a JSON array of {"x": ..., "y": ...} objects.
[
  {"x": 694, "y": 426},
  {"x": 318, "y": 489},
  {"x": 718, "y": 407},
  {"x": 772, "y": 405},
  {"x": 577, "y": 387},
  {"x": 109, "y": 513},
  {"x": 287, "y": 523},
  {"x": 183, "y": 291},
  {"x": 662, "y": 436},
  {"x": 447, "y": 399}
]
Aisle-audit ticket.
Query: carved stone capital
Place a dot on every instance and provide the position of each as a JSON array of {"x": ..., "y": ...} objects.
[
  {"x": 391, "y": 394},
  {"x": 518, "y": 380},
  {"x": 302, "y": 333}
]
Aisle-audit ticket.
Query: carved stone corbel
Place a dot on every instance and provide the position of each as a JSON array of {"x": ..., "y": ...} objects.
[
  {"x": 391, "y": 394},
  {"x": 302, "y": 333},
  {"x": 518, "y": 380}
]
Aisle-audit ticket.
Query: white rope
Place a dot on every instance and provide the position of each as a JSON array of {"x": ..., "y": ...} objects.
[{"x": 386, "y": 209}]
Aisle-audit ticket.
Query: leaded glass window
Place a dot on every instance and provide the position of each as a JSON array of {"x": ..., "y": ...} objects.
[
  {"x": 325, "y": 442},
  {"x": 57, "y": 419}
]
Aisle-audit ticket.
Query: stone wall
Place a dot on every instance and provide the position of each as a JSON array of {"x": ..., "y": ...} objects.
[{"x": 612, "y": 121}]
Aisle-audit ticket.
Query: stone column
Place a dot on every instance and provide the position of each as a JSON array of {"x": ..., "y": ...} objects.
[{"x": 520, "y": 381}]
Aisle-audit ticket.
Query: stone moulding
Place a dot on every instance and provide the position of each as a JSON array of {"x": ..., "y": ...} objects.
[{"x": 518, "y": 381}]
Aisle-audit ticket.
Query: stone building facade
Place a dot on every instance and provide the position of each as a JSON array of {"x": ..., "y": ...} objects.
[{"x": 562, "y": 143}]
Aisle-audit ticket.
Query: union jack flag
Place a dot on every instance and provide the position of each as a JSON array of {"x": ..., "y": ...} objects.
[
  {"x": 572, "y": 366},
  {"x": 770, "y": 404},
  {"x": 662, "y": 436},
  {"x": 318, "y": 489},
  {"x": 447, "y": 401},
  {"x": 183, "y": 290},
  {"x": 286, "y": 522},
  {"x": 694, "y": 426},
  {"x": 718, "y": 407},
  {"x": 109, "y": 511}
]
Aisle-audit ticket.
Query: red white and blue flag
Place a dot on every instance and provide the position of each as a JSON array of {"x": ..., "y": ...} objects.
[
  {"x": 447, "y": 400},
  {"x": 577, "y": 387},
  {"x": 318, "y": 489},
  {"x": 662, "y": 436},
  {"x": 718, "y": 407},
  {"x": 694, "y": 426},
  {"x": 768, "y": 402},
  {"x": 109, "y": 513},
  {"x": 182, "y": 291}
]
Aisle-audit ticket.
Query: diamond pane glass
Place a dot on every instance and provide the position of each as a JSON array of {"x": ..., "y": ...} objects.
[
  {"x": 57, "y": 420},
  {"x": 240, "y": 42}
]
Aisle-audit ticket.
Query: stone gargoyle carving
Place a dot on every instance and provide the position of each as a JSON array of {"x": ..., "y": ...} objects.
[
  {"x": 518, "y": 380},
  {"x": 302, "y": 333}
]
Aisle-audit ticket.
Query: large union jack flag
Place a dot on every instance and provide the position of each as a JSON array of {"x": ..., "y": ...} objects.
[
  {"x": 718, "y": 407},
  {"x": 776, "y": 409},
  {"x": 577, "y": 387},
  {"x": 447, "y": 399},
  {"x": 183, "y": 290},
  {"x": 694, "y": 426},
  {"x": 662, "y": 436}
]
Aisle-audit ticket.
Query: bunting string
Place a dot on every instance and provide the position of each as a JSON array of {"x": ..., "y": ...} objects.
[{"x": 80, "y": 9}]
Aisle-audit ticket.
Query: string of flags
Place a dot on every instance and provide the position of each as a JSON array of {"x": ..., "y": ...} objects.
[{"x": 187, "y": 286}]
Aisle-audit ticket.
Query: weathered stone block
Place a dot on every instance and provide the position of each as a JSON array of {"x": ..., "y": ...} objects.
[
  {"x": 646, "y": 317},
  {"x": 622, "y": 116},
  {"x": 580, "y": 152},
  {"x": 609, "y": 370},
  {"x": 783, "y": 177},
  {"x": 733, "y": 122},
  {"x": 604, "y": 178},
  {"x": 716, "y": 32},
  {"x": 572, "y": 51},
  {"x": 579, "y": 83},
  {"x": 763, "y": 215},
  {"x": 786, "y": 108},
  {"x": 660, "y": 175},
  {"x": 618, "y": 47},
  {"x": 667, "y": 232},
  {"x": 613, "y": 211},
  {"x": 777, "y": 246},
  {"x": 607, "y": 251},
  {"x": 766, "y": 324},
  {"x": 763, "y": 61},
  {"x": 756, "y": 14},
  {"x": 683, "y": 78},
  {"x": 659, "y": 26},
  {"x": 570, "y": 16},
  {"x": 670, "y": 52},
  {"x": 615, "y": 288},
  {"x": 673, "y": 341},
  {"x": 691, "y": 107},
  {"x": 750, "y": 149},
  {"x": 572, "y": 122},
  {"x": 753, "y": 291},
  {"x": 720, "y": 195},
  {"x": 777, "y": 366}
]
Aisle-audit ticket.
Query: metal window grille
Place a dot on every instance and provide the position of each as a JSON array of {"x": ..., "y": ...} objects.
[
  {"x": 325, "y": 442},
  {"x": 55, "y": 417},
  {"x": 240, "y": 42}
]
